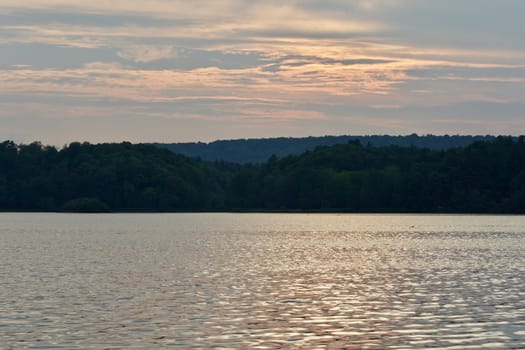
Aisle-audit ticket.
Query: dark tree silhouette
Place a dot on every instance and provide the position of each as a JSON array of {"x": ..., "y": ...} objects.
[{"x": 483, "y": 177}]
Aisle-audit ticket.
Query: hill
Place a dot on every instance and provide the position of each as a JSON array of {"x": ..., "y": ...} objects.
[
  {"x": 483, "y": 177},
  {"x": 258, "y": 151},
  {"x": 86, "y": 177}
]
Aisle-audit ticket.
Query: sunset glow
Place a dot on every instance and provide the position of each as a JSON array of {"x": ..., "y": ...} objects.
[{"x": 157, "y": 71}]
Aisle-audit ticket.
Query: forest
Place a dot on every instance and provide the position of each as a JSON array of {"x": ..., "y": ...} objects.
[
  {"x": 257, "y": 151},
  {"x": 483, "y": 177}
]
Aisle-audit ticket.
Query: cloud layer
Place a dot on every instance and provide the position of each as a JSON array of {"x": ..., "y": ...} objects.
[{"x": 203, "y": 70}]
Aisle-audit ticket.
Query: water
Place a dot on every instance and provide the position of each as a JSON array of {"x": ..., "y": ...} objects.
[{"x": 261, "y": 281}]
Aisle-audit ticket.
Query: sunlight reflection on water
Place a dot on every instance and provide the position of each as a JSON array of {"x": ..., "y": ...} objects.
[{"x": 261, "y": 281}]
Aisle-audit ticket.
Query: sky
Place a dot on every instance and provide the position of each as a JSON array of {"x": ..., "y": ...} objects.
[{"x": 202, "y": 70}]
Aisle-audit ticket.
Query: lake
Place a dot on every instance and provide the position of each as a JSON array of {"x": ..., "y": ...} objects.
[{"x": 261, "y": 281}]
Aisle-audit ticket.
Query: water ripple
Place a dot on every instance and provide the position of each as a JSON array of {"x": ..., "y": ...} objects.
[{"x": 214, "y": 282}]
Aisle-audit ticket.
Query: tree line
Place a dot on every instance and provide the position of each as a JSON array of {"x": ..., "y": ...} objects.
[
  {"x": 483, "y": 177},
  {"x": 257, "y": 151}
]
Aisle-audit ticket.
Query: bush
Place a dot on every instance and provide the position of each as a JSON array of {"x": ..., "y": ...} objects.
[{"x": 85, "y": 205}]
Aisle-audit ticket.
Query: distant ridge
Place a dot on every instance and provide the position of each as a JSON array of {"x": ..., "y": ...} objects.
[{"x": 258, "y": 151}]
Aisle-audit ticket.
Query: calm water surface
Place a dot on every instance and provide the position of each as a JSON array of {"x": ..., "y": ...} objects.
[{"x": 261, "y": 281}]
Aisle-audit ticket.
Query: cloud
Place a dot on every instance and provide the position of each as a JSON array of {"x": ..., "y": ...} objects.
[
  {"x": 289, "y": 61},
  {"x": 103, "y": 66},
  {"x": 145, "y": 53},
  {"x": 305, "y": 66}
]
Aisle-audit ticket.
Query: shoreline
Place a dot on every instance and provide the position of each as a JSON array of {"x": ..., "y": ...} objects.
[{"x": 299, "y": 212}]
